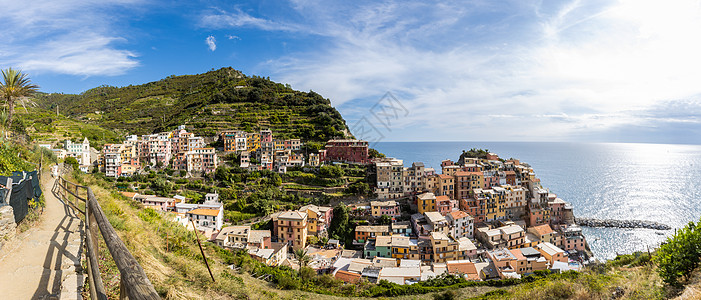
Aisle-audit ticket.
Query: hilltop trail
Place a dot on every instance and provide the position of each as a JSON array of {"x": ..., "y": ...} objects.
[{"x": 44, "y": 261}]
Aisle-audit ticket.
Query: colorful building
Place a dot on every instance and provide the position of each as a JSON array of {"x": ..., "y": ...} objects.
[
  {"x": 292, "y": 229},
  {"x": 364, "y": 233},
  {"x": 385, "y": 208},
  {"x": 348, "y": 151},
  {"x": 461, "y": 224},
  {"x": 426, "y": 202}
]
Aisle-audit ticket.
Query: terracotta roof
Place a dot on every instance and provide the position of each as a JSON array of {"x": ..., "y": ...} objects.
[
  {"x": 444, "y": 176},
  {"x": 204, "y": 212},
  {"x": 442, "y": 198},
  {"x": 348, "y": 277},
  {"x": 518, "y": 254},
  {"x": 542, "y": 229},
  {"x": 461, "y": 267},
  {"x": 459, "y": 214},
  {"x": 465, "y": 173},
  {"x": 129, "y": 194}
]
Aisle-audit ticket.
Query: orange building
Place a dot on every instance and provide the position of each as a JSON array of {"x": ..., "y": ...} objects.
[{"x": 292, "y": 229}]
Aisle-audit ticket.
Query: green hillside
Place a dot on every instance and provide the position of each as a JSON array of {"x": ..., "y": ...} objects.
[
  {"x": 45, "y": 126},
  {"x": 209, "y": 102}
]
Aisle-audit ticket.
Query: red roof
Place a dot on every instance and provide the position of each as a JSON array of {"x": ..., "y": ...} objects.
[
  {"x": 129, "y": 194},
  {"x": 204, "y": 212},
  {"x": 443, "y": 176},
  {"x": 348, "y": 277},
  {"x": 542, "y": 229},
  {"x": 459, "y": 214},
  {"x": 465, "y": 173},
  {"x": 442, "y": 198},
  {"x": 467, "y": 268}
]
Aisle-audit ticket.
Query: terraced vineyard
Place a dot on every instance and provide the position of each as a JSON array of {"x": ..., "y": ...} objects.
[
  {"x": 209, "y": 102},
  {"x": 46, "y": 126}
]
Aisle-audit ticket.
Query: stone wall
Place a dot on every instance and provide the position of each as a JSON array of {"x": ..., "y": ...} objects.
[{"x": 7, "y": 223}]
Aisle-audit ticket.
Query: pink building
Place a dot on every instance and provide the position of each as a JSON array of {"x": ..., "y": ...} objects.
[
  {"x": 490, "y": 181},
  {"x": 557, "y": 210},
  {"x": 160, "y": 203},
  {"x": 445, "y": 205},
  {"x": 266, "y": 135},
  {"x": 382, "y": 208},
  {"x": 573, "y": 239}
]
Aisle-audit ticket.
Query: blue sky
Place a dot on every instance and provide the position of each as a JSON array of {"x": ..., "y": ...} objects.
[{"x": 611, "y": 71}]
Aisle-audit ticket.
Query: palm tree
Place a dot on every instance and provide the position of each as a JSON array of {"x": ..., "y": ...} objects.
[
  {"x": 3, "y": 120},
  {"x": 15, "y": 84},
  {"x": 302, "y": 258}
]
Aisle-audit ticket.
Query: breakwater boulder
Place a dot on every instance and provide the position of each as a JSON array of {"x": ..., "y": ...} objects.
[{"x": 589, "y": 222}]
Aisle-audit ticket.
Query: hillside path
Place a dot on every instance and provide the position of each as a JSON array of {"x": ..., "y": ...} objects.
[{"x": 44, "y": 261}]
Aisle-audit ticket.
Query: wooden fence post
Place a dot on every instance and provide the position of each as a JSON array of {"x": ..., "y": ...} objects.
[{"x": 201, "y": 250}]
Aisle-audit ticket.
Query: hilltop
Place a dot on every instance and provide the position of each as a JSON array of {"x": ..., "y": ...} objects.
[{"x": 209, "y": 102}]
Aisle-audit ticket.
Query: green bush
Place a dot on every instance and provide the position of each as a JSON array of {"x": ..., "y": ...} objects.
[
  {"x": 679, "y": 255},
  {"x": 71, "y": 161}
]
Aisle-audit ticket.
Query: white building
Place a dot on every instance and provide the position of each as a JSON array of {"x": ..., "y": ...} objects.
[
  {"x": 79, "y": 151},
  {"x": 461, "y": 224},
  {"x": 207, "y": 218}
]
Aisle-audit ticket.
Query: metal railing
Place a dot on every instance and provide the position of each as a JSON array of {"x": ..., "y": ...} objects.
[{"x": 133, "y": 281}]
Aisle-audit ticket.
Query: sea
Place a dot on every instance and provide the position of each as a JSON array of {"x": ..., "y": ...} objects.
[{"x": 656, "y": 182}]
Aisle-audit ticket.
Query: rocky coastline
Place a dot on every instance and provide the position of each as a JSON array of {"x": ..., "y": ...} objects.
[{"x": 590, "y": 222}]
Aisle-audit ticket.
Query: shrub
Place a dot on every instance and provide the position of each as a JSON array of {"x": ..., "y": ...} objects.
[
  {"x": 679, "y": 256},
  {"x": 449, "y": 295},
  {"x": 71, "y": 161}
]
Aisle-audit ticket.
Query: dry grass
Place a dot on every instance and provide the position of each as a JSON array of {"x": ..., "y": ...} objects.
[
  {"x": 181, "y": 274},
  {"x": 617, "y": 283}
]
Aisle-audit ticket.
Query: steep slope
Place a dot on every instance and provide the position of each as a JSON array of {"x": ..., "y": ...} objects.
[
  {"x": 45, "y": 126},
  {"x": 216, "y": 100}
]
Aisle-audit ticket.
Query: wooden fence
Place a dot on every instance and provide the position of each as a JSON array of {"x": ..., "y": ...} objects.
[{"x": 133, "y": 282}]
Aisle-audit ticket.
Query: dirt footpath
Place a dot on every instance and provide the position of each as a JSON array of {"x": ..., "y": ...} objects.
[{"x": 44, "y": 261}]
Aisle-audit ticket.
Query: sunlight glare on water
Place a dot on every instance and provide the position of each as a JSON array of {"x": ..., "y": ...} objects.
[{"x": 653, "y": 182}]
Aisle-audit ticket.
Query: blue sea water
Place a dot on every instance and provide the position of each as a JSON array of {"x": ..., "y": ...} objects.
[{"x": 656, "y": 182}]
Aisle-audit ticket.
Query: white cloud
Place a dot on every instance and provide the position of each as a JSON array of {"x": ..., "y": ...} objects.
[
  {"x": 558, "y": 70},
  {"x": 211, "y": 43},
  {"x": 73, "y": 37}
]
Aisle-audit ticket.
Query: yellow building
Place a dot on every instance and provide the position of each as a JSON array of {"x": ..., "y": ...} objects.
[
  {"x": 445, "y": 248},
  {"x": 128, "y": 170},
  {"x": 426, "y": 202},
  {"x": 446, "y": 185},
  {"x": 404, "y": 248},
  {"x": 316, "y": 218},
  {"x": 494, "y": 203},
  {"x": 431, "y": 183},
  {"x": 253, "y": 142}
]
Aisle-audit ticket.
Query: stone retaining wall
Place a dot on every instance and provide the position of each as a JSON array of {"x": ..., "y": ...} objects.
[{"x": 7, "y": 223}]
